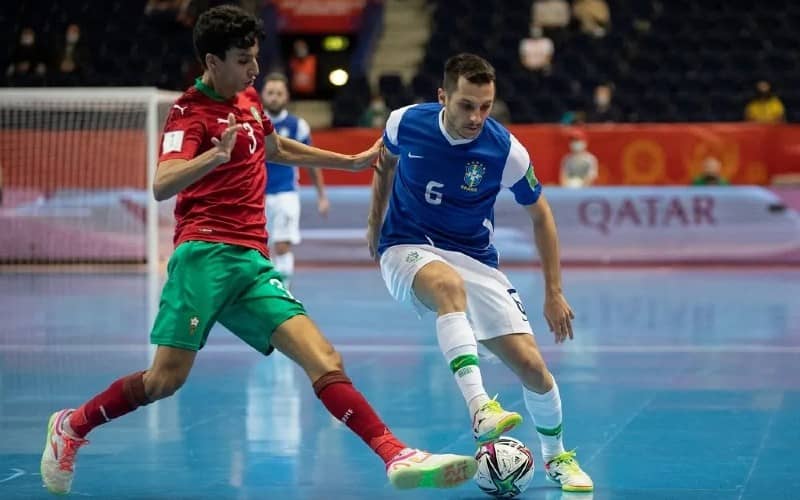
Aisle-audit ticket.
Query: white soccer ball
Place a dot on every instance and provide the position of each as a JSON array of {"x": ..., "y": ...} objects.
[{"x": 505, "y": 467}]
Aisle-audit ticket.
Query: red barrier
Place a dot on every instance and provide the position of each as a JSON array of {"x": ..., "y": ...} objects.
[
  {"x": 319, "y": 16},
  {"x": 628, "y": 154},
  {"x": 634, "y": 154},
  {"x": 47, "y": 160}
]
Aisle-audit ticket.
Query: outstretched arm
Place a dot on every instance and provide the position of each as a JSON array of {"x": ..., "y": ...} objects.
[
  {"x": 381, "y": 187},
  {"x": 557, "y": 311},
  {"x": 291, "y": 152}
]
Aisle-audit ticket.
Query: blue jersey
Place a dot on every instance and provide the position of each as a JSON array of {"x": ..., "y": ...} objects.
[
  {"x": 281, "y": 178},
  {"x": 445, "y": 189}
]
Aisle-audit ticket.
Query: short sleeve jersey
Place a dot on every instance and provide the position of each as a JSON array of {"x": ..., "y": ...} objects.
[
  {"x": 282, "y": 178},
  {"x": 227, "y": 204},
  {"x": 445, "y": 189}
]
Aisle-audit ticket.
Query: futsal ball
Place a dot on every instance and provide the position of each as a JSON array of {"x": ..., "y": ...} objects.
[{"x": 505, "y": 467}]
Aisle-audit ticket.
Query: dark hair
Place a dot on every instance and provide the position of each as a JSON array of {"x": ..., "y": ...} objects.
[
  {"x": 474, "y": 68},
  {"x": 276, "y": 77},
  {"x": 222, "y": 28}
]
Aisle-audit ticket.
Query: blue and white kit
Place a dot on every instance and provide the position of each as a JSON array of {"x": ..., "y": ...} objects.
[
  {"x": 442, "y": 208},
  {"x": 282, "y": 198}
]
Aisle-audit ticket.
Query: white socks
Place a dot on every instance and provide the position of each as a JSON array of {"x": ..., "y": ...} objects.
[
  {"x": 284, "y": 264},
  {"x": 457, "y": 343},
  {"x": 545, "y": 409}
]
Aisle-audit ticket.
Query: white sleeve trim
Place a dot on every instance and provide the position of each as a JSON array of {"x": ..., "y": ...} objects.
[
  {"x": 393, "y": 123},
  {"x": 517, "y": 163},
  {"x": 303, "y": 130}
]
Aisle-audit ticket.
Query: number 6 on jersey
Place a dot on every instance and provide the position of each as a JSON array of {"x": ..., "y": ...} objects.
[{"x": 431, "y": 195}]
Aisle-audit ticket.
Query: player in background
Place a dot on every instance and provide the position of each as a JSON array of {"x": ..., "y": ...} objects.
[
  {"x": 444, "y": 164},
  {"x": 212, "y": 157},
  {"x": 283, "y": 200}
]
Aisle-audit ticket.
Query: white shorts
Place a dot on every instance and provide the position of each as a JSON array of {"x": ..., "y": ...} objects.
[
  {"x": 283, "y": 217},
  {"x": 494, "y": 308}
]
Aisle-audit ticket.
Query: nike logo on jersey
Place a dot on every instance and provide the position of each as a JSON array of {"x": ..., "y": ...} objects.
[
  {"x": 412, "y": 155},
  {"x": 179, "y": 108}
]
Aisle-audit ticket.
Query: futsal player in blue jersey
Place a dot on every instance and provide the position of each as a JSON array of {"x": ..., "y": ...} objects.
[
  {"x": 282, "y": 198},
  {"x": 441, "y": 169}
]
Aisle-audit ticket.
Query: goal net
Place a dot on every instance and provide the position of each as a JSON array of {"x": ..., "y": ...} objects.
[{"x": 76, "y": 168}]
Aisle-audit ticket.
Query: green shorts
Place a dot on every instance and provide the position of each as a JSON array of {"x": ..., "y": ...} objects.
[{"x": 210, "y": 282}]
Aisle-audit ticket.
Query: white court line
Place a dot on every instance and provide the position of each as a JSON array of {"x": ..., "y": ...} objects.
[
  {"x": 406, "y": 348},
  {"x": 15, "y": 473}
]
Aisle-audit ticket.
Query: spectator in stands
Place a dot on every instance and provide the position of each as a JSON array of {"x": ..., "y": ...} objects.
[
  {"x": 711, "y": 174},
  {"x": 376, "y": 113},
  {"x": 550, "y": 15},
  {"x": 536, "y": 52},
  {"x": 593, "y": 17},
  {"x": 603, "y": 110},
  {"x": 72, "y": 58},
  {"x": 765, "y": 107},
  {"x": 579, "y": 166},
  {"x": 303, "y": 65},
  {"x": 28, "y": 61}
]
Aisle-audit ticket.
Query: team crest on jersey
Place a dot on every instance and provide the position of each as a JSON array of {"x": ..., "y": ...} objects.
[
  {"x": 473, "y": 176},
  {"x": 256, "y": 115}
]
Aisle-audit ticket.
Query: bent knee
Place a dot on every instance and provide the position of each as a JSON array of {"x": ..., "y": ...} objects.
[
  {"x": 445, "y": 291},
  {"x": 451, "y": 285},
  {"x": 322, "y": 359},
  {"x": 534, "y": 373},
  {"x": 163, "y": 383},
  {"x": 331, "y": 360}
]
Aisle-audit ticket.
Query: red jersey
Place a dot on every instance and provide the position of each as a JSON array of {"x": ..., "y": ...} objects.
[{"x": 227, "y": 204}]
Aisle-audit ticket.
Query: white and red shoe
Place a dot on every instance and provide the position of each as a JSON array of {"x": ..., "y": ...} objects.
[
  {"x": 58, "y": 458},
  {"x": 418, "y": 469}
]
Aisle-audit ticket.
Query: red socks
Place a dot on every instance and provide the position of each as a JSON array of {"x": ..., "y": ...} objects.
[
  {"x": 334, "y": 389},
  {"x": 344, "y": 402},
  {"x": 121, "y": 397}
]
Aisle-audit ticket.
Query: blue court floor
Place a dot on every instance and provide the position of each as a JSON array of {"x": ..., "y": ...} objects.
[{"x": 681, "y": 384}]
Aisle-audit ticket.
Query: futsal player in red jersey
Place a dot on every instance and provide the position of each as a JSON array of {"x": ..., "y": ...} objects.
[{"x": 212, "y": 157}]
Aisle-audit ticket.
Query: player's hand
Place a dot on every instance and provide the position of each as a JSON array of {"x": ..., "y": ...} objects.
[
  {"x": 227, "y": 141},
  {"x": 367, "y": 158},
  {"x": 559, "y": 316},
  {"x": 373, "y": 236},
  {"x": 323, "y": 206}
]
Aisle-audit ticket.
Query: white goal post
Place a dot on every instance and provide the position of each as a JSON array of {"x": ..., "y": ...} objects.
[{"x": 77, "y": 166}]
